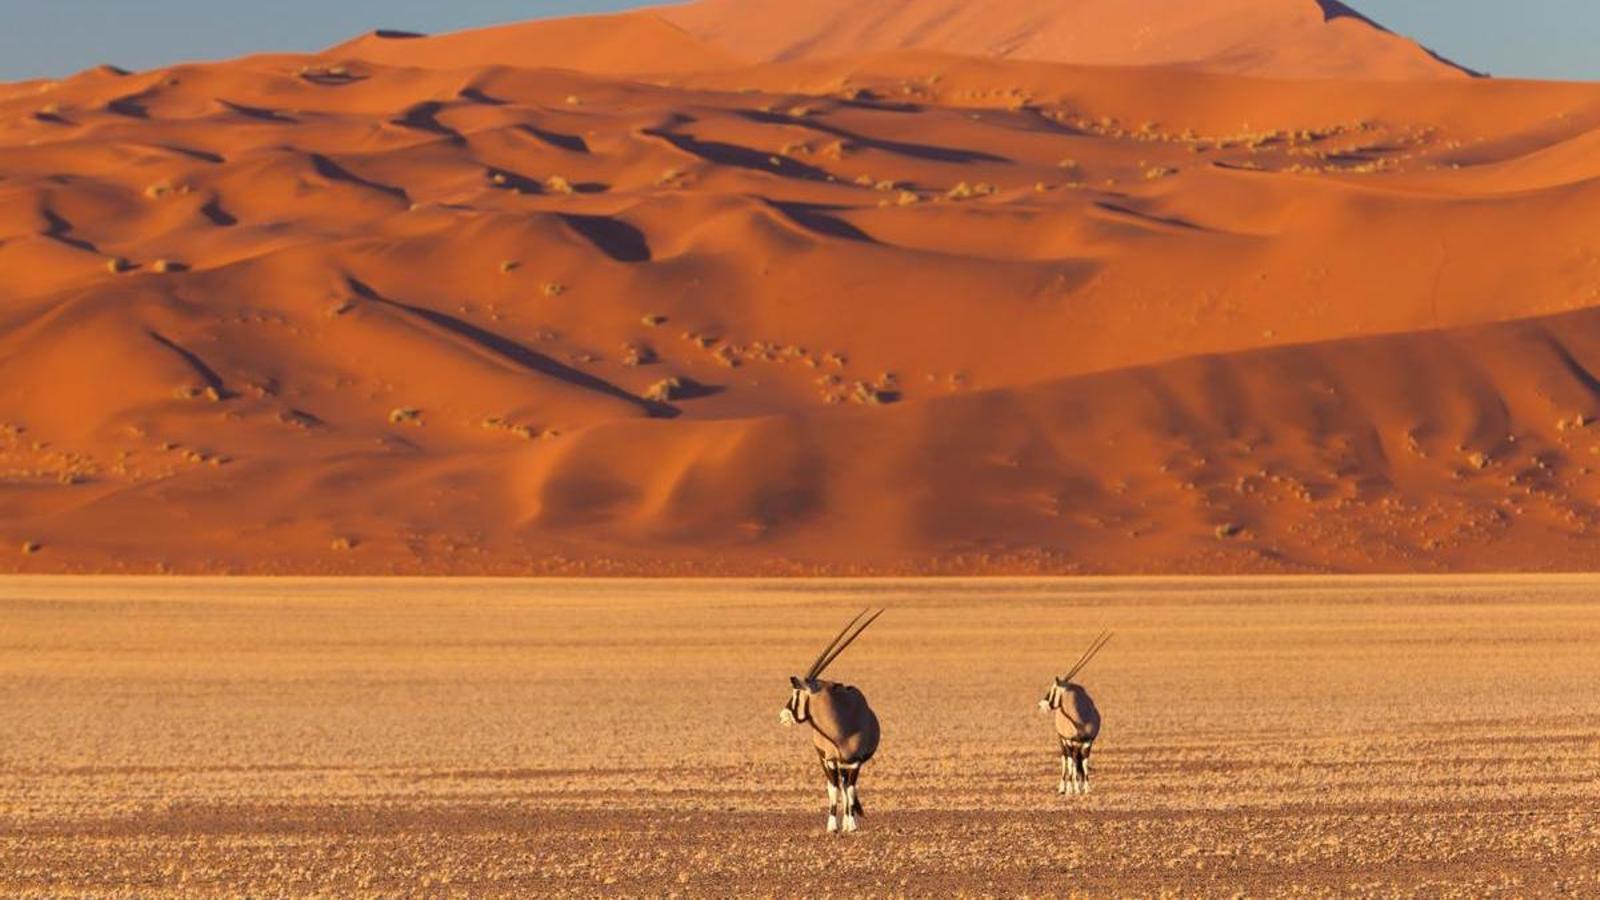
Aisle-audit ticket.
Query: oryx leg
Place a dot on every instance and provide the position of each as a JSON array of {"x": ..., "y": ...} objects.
[
  {"x": 1083, "y": 765},
  {"x": 830, "y": 772},
  {"x": 848, "y": 804},
  {"x": 1066, "y": 768}
]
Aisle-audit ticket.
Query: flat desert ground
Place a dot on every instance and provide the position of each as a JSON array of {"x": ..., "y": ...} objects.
[{"x": 1352, "y": 737}]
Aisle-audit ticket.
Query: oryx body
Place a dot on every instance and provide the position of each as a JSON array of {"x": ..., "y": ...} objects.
[
  {"x": 1077, "y": 722},
  {"x": 844, "y": 729}
]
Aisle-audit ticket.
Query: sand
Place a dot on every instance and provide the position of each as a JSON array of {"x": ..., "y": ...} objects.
[
  {"x": 451, "y": 306},
  {"x": 1277, "y": 38},
  {"x": 1358, "y": 737}
]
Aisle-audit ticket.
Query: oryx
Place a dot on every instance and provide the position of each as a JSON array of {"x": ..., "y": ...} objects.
[
  {"x": 1077, "y": 722},
  {"x": 843, "y": 727}
]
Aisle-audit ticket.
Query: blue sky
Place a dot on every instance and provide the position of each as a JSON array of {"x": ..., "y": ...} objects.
[{"x": 39, "y": 38}]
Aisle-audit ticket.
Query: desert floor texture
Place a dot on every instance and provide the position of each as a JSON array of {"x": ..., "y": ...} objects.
[{"x": 1358, "y": 737}]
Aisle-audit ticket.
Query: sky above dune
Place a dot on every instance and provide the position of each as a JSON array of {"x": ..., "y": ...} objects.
[{"x": 1529, "y": 38}]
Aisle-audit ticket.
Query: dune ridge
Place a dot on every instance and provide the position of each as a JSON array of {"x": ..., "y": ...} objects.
[
  {"x": 380, "y": 309},
  {"x": 1273, "y": 38}
]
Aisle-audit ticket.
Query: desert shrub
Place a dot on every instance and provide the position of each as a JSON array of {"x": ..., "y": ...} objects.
[
  {"x": 665, "y": 391},
  {"x": 635, "y": 354}
]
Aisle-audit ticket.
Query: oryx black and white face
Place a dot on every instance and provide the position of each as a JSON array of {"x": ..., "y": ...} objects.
[
  {"x": 798, "y": 708},
  {"x": 1052, "y": 695}
]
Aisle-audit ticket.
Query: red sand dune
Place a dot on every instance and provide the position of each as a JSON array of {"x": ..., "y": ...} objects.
[
  {"x": 1276, "y": 38},
  {"x": 421, "y": 305}
]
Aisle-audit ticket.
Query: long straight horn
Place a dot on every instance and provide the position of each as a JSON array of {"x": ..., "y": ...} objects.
[
  {"x": 1089, "y": 654},
  {"x": 817, "y": 664},
  {"x": 847, "y": 642},
  {"x": 1086, "y": 651}
]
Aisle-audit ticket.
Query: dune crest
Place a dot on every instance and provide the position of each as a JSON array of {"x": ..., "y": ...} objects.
[
  {"x": 1272, "y": 38},
  {"x": 607, "y": 44}
]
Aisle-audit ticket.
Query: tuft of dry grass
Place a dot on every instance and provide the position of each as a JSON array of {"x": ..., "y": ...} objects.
[
  {"x": 637, "y": 354},
  {"x": 665, "y": 391},
  {"x": 405, "y": 415},
  {"x": 965, "y": 191}
]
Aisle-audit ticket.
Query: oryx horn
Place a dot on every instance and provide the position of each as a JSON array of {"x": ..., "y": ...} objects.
[
  {"x": 832, "y": 653},
  {"x": 816, "y": 664},
  {"x": 1089, "y": 654}
]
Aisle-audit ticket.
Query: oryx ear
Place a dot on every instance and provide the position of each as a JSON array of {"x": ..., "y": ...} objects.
[{"x": 796, "y": 682}]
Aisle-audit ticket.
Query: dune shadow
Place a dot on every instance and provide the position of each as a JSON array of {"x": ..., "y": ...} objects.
[
  {"x": 556, "y": 139},
  {"x": 206, "y": 373},
  {"x": 512, "y": 352},
  {"x": 476, "y": 95},
  {"x": 1579, "y": 372},
  {"x": 613, "y": 237},
  {"x": 131, "y": 106},
  {"x": 816, "y": 218},
  {"x": 424, "y": 117},
  {"x": 689, "y": 389},
  {"x": 194, "y": 154},
  {"x": 332, "y": 171},
  {"x": 1129, "y": 212},
  {"x": 736, "y": 156},
  {"x": 218, "y": 216},
  {"x": 58, "y": 228},
  {"x": 258, "y": 113}
]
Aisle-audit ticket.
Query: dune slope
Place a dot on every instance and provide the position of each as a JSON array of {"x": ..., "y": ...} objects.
[
  {"x": 1274, "y": 38},
  {"x": 898, "y": 312}
]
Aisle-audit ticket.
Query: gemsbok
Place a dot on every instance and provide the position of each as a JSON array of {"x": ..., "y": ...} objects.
[
  {"x": 843, "y": 727},
  {"x": 1077, "y": 721}
]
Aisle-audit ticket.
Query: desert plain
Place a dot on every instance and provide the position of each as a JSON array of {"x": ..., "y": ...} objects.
[{"x": 1385, "y": 736}]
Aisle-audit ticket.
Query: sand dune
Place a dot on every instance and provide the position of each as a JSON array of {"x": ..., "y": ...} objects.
[
  {"x": 454, "y": 305},
  {"x": 1277, "y": 38},
  {"x": 613, "y": 44}
]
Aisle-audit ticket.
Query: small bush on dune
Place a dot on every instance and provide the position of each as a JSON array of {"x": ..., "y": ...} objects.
[{"x": 665, "y": 391}]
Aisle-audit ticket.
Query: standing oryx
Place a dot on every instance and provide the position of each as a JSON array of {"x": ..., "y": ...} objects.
[
  {"x": 843, "y": 727},
  {"x": 1077, "y": 722}
]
